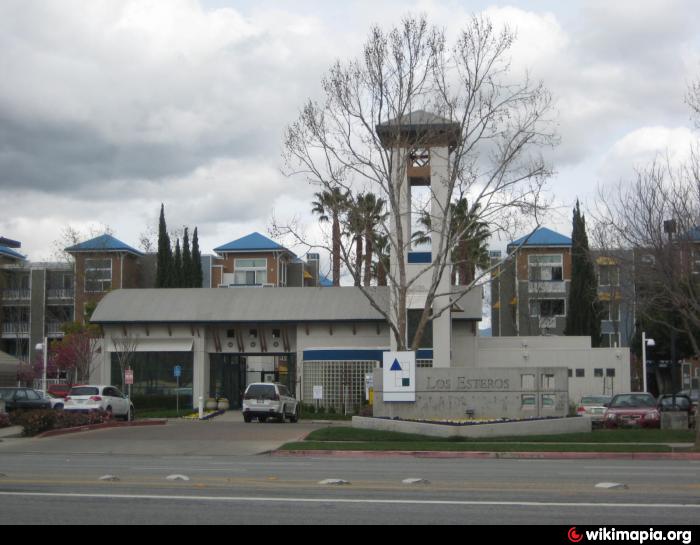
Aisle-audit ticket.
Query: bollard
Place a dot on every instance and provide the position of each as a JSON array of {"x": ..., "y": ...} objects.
[{"x": 201, "y": 408}]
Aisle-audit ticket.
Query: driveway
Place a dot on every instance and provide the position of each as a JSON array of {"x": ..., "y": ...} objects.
[{"x": 223, "y": 436}]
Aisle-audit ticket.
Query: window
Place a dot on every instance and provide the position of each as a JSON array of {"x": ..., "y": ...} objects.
[
  {"x": 413, "y": 320},
  {"x": 250, "y": 272},
  {"x": 547, "y": 308},
  {"x": 528, "y": 382},
  {"x": 549, "y": 401},
  {"x": 528, "y": 401},
  {"x": 580, "y": 373},
  {"x": 609, "y": 311},
  {"x": 609, "y": 275},
  {"x": 546, "y": 268},
  {"x": 610, "y": 373},
  {"x": 98, "y": 275},
  {"x": 598, "y": 373},
  {"x": 230, "y": 333},
  {"x": 548, "y": 382}
]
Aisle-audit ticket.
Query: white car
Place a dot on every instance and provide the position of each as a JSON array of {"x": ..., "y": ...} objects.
[
  {"x": 99, "y": 398},
  {"x": 268, "y": 400},
  {"x": 56, "y": 402}
]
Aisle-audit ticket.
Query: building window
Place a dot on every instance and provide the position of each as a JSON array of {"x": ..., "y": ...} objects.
[
  {"x": 609, "y": 311},
  {"x": 414, "y": 316},
  {"x": 598, "y": 373},
  {"x": 546, "y": 268},
  {"x": 580, "y": 373},
  {"x": 610, "y": 373},
  {"x": 609, "y": 275},
  {"x": 549, "y": 401},
  {"x": 547, "y": 308},
  {"x": 548, "y": 382},
  {"x": 98, "y": 275},
  {"x": 528, "y": 402},
  {"x": 528, "y": 382},
  {"x": 250, "y": 272}
]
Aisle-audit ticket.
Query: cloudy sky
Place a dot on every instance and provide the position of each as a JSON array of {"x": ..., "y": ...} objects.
[{"x": 109, "y": 108}]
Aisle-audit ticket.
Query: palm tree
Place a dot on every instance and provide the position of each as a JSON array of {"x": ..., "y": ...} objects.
[
  {"x": 469, "y": 236},
  {"x": 330, "y": 205},
  {"x": 356, "y": 228},
  {"x": 372, "y": 215}
]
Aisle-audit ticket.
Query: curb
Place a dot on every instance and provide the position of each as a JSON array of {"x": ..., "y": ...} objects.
[
  {"x": 105, "y": 426},
  {"x": 443, "y": 455}
]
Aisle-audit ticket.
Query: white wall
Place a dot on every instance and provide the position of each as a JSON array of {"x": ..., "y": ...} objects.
[{"x": 573, "y": 353}]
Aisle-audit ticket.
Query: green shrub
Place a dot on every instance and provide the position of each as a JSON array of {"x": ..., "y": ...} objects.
[{"x": 37, "y": 422}]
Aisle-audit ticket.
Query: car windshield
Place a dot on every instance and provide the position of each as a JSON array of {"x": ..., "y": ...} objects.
[
  {"x": 595, "y": 400},
  {"x": 625, "y": 401},
  {"x": 6, "y": 394},
  {"x": 84, "y": 391},
  {"x": 261, "y": 391}
]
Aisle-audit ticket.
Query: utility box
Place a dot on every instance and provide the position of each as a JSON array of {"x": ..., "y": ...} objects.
[{"x": 673, "y": 420}]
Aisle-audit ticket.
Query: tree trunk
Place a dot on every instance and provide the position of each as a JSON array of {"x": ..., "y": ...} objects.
[
  {"x": 368, "y": 259},
  {"x": 358, "y": 260}
]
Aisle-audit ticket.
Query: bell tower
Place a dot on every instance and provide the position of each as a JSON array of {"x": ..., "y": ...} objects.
[{"x": 421, "y": 145}]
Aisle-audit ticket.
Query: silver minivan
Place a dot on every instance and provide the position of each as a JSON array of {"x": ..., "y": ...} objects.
[{"x": 269, "y": 400}]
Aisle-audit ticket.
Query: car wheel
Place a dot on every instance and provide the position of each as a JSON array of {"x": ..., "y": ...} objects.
[
  {"x": 295, "y": 417},
  {"x": 246, "y": 419},
  {"x": 109, "y": 412}
]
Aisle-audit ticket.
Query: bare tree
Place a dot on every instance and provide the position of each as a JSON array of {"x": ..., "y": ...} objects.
[
  {"x": 125, "y": 349},
  {"x": 362, "y": 138}
]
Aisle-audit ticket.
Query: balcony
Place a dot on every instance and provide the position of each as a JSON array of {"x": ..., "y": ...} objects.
[
  {"x": 11, "y": 329},
  {"x": 16, "y": 294},
  {"x": 547, "y": 287},
  {"x": 54, "y": 329},
  {"x": 62, "y": 294}
]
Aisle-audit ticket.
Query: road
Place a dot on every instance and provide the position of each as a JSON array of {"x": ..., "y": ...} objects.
[{"x": 57, "y": 481}]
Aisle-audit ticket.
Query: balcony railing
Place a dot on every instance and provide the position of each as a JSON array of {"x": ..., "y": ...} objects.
[
  {"x": 60, "y": 294},
  {"x": 547, "y": 287},
  {"x": 15, "y": 328},
  {"x": 16, "y": 294}
]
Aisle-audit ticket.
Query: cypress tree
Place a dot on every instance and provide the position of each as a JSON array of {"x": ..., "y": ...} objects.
[
  {"x": 583, "y": 315},
  {"x": 165, "y": 255},
  {"x": 196, "y": 261},
  {"x": 187, "y": 280},
  {"x": 177, "y": 267}
]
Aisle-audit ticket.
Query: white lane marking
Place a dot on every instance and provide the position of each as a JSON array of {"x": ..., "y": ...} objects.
[{"x": 233, "y": 499}]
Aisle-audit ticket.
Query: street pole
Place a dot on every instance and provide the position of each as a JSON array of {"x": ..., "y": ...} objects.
[{"x": 644, "y": 360}]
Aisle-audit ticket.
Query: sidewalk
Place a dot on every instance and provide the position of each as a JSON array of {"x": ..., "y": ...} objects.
[{"x": 11, "y": 433}]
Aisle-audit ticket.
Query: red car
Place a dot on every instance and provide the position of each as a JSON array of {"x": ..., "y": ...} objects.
[
  {"x": 632, "y": 410},
  {"x": 59, "y": 390}
]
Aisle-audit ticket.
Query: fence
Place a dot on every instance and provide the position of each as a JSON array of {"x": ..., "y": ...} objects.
[{"x": 343, "y": 383}]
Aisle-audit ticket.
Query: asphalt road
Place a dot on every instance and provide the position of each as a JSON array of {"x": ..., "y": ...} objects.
[{"x": 57, "y": 481}]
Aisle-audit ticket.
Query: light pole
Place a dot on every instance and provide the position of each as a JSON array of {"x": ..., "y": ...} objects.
[
  {"x": 45, "y": 349},
  {"x": 645, "y": 342}
]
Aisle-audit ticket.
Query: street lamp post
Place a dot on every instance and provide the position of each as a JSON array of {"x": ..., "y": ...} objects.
[
  {"x": 645, "y": 342},
  {"x": 45, "y": 349}
]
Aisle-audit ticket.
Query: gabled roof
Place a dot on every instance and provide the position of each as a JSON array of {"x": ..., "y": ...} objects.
[
  {"x": 419, "y": 117},
  {"x": 9, "y": 243},
  {"x": 104, "y": 243},
  {"x": 542, "y": 237},
  {"x": 8, "y": 252},
  {"x": 254, "y": 242}
]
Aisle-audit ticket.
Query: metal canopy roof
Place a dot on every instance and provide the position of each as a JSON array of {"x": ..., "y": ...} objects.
[
  {"x": 104, "y": 243},
  {"x": 251, "y": 243},
  {"x": 8, "y": 252}
]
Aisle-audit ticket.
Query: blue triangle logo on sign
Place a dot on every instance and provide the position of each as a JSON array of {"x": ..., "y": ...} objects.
[{"x": 396, "y": 366}]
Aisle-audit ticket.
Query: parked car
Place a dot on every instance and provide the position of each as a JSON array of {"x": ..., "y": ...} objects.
[
  {"x": 59, "y": 390},
  {"x": 677, "y": 403},
  {"x": 694, "y": 396},
  {"x": 23, "y": 399},
  {"x": 595, "y": 407},
  {"x": 267, "y": 400},
  {"x": 635, "y": 409},
  {"x": 99, "y": 398},
  {"x": 56, "y": 402}
]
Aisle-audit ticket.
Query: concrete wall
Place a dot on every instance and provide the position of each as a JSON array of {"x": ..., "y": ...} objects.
[
  {"x": 572, "y": 353},
  {"x": 486, "y": 393}
]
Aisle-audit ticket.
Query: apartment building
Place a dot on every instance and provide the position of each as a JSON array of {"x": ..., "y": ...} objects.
[{"x": 35, "y": 300}]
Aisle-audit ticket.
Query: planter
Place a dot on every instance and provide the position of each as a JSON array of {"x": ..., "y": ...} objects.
[
  {"x": 211, "y": 405},
  {"x": 223, "y": 405}
]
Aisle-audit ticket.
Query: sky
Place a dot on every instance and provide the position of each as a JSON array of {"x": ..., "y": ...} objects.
[{"x": 109, "y": 108}]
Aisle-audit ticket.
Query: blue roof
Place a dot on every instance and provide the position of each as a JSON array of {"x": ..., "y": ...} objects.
[
  {"x": 542, "y": 237},
  {"x": 104, "y": 243},
  {"x": 253, "y": 242},
  {"x": 8, "y": 252},
  {"x": 325, "y": 282}
]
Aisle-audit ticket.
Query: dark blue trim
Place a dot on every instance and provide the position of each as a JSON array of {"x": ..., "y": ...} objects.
[
  {"x": 330, "y": 354},
  {"x": 420, "y": 257}
]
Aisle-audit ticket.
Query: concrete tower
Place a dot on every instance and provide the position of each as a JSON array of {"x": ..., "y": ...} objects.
[{"x": 421, "y": 145}]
